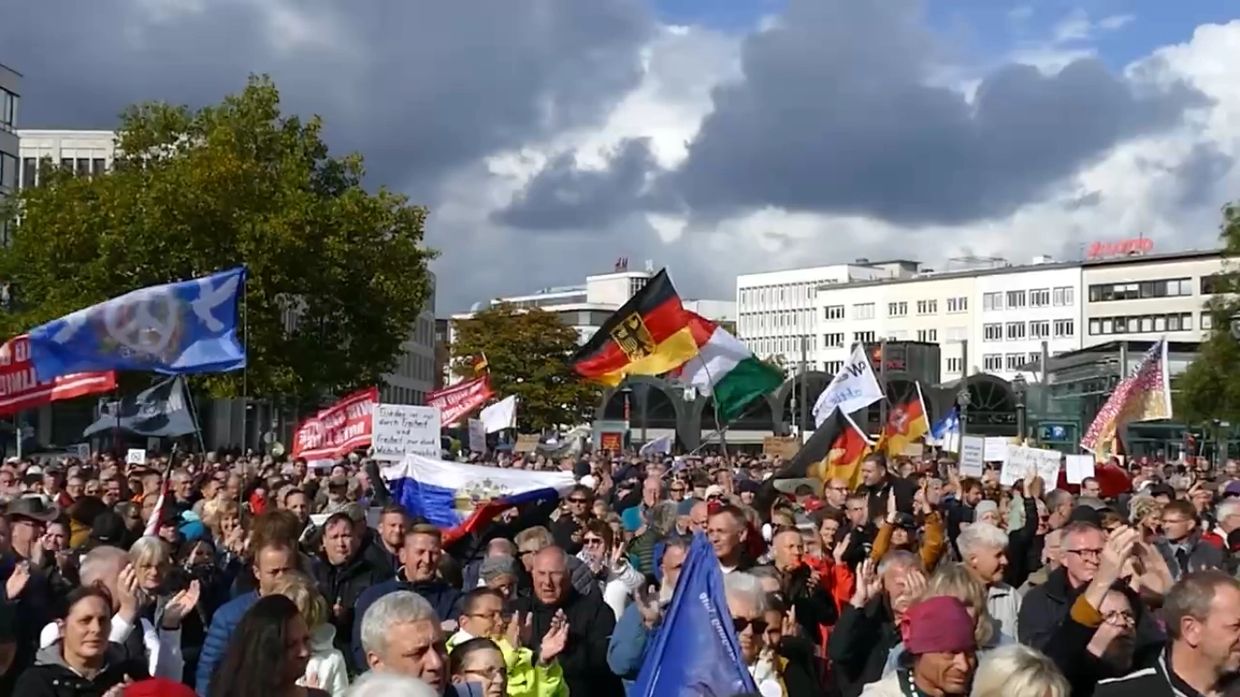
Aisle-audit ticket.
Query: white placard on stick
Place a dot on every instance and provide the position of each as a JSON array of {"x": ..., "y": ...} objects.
[
  {"x": 972, "y": 456},
  {"x": 996, "y": 449},
  {"x": 1015, "y": 464},
  {"x": 405, "y": 429},
  {"x": 477, "y": 436},
  {"x": 83, "y": 451},
  {"x": 1047, "y": 462},
  {"x": 135, "y": 456},
  {"x": 1079, "y": 467}
]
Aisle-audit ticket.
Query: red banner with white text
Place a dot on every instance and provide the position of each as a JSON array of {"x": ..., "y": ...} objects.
[
  {"x": 21, "y": 390},
  {"x": 458, "y": 400},
  {"x": 339, "y": 429}
]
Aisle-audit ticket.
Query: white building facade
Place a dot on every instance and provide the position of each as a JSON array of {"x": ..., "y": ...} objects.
[
  {"x": 1020, "y": 307},
  {"x": 1145, "y": 297},
  {"x": 85, "y": 153},
  {"x": 10, "y": 149}
]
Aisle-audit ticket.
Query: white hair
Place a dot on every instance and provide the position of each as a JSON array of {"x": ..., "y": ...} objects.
[
  {"x": 978, "y": 536},
  {"x": 398, "y": 607},
  {"x": 377, "y": 683},
  {"x": 901, "y": 558},
  {"x": 1018, "y": 671},
  {"x": 1227, "y": 507},
  {"x": 149, "y": 549},
  {"x": 746, "y": 587},
  {"x": 101, "y": 562}
]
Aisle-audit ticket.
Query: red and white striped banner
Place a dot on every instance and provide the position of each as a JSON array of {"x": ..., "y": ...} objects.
[
  {"x": 21, "y": 390},
  {"x": 458, "y": 400}
]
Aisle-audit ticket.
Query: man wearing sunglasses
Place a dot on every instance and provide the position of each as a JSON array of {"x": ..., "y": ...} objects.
[
  {"x": 747, "y": 605},
  {"x": 570, "y": 528}
]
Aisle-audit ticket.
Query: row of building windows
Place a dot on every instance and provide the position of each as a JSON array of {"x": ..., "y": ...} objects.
[
  {"x": 1060, "y": 296},
  {"x": 756, "y": 323},
  {"x": 1141, "y": 290},
  {"x": 992, "y": 362},
  {"x": 81, "y": 166},
  {"x": 1142, "y": 324},
  {"x": 395, "y": 394},
  {"x": 770, "y": 297},
  {"x": 955, "y": 366},
  {"x": 1037, "y": 329},
  {"x": 784, "y": 345}
]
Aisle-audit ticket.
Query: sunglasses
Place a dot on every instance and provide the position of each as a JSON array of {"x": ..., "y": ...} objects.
[
  {"x": 740, "y": 623},
  {"x": 579, "y": 500},
  {"x": 592, "y": 541}
]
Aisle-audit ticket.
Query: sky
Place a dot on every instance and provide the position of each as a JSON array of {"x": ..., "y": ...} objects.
[{"x": 713, "y": 137}]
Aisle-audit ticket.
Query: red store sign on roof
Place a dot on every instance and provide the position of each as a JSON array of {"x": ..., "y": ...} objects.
[{"x": 1131, "y": 247}]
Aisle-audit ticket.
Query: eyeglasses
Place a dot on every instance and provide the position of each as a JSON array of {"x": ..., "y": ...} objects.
[
  {"x": 678, "y": 490},
  {"x": 492, "y": 673},
  {"x": 592, "y": 541},
  {"x": 1119, "y": 617},
  {"x": 1086, "y": 553},
  {"x": 740, "y": 623},
  {"x": 1175, "y": 521},
  {"x": 579, "y": 500},
  {"x": 526, "y": 552},
  {"x": 494, "y": 615}
]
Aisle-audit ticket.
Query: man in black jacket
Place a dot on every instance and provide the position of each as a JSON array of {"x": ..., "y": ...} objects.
[
  {"x": 1202, "y": 613},
  {"x": 342, "y": 573},
  {"x": 867, "y": 630},
  {"x": 590, "y": 624}
]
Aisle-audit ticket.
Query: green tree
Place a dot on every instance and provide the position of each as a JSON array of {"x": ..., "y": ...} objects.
[
  {"x": 1210, "y": 388},
  {"x": 528, "y": 352},
  {"x": 193, "y": 192}
]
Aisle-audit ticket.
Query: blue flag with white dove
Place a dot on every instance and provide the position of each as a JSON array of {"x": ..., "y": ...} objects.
[
  {"x": 946, "y": 432},
  {"x": 696, "y": 653},
  {"x": 174, "y": 328}
]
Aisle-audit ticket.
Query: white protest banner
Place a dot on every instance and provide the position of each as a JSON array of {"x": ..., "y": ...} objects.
[
  {"x": 853, "y": 388},
  {"x": 1015, "y": 465},
  {"x": 403, "y": 429},
  {"x": 972, "y": 459},
  {"x": 1046, "y": 464},
  {"x": 501, "y": 415},
  {"x": 1079, "y": 468},
  {"x": 135, "y": 456},
  {"x": 996, "y": 449},
  {"x": 477, "y": 436}
]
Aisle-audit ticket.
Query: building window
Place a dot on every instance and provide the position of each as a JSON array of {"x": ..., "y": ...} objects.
[
  {"x": 1015, "y": 299},
  {"x": 30, "y": 172},
  {"x": 992, "y": 332},
  {"x": 1015, "y": 361},
  {"x": 899, "y": 309},
  {"x": 927, "y": 307},
  {"x": 832, "y": 367},
  {"x": 928, "y": 335},
  {"x": 863, "y": 337},
  {"x": 955, "y": 365},
  {"x": 1207, "y": 321},
  {"x": 8, "y": 172},
  {"x": 1214, "y": 283},
  {"x": 1064, "y": 328},
  {"x": 992, "y": 361},
  {"x": 1063, "y": 296},
  {"x": 66, "y": 163},
  {"x": 958, "y": 304},
  {"x": 833, "y": 340},
  {"x": 1142, "y": 324},
  {"x": 8, "y": 110},
  {"x": 1040, "y": 297},
  {"x": 863, "y": 311},
  {"x": 1162, "y": 288},
  {"x": 98, "y": 166},
  {"x": 1015, "y": 330},
  {"x": 992, "y": 301},
  {"x": 1040, "y": 329},
  {"x": 834, "y": 312}
]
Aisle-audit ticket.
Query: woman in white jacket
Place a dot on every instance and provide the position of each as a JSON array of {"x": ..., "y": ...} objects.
[
  {"x": 327, "y": 669},
  {"x": 616, "y": 577}
]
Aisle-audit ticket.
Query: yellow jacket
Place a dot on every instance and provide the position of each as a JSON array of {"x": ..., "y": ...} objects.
[{"x": 525, "y": 679}]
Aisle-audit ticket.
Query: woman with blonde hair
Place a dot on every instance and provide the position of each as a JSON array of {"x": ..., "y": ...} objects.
[
  {"x": 955, "y": 581},
  {"x": 326, "y": 669},
  {"x": 1018, "y": 671}
]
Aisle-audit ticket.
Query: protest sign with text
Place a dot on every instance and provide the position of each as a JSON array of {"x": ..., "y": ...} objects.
[
  {"x": 853, "y": 388},
  {"x": 21, "y": 390},
  {"x": 405, "y": 429},
  {"x": 337, "y": 430},
  {"x": 460, "y": 399}
]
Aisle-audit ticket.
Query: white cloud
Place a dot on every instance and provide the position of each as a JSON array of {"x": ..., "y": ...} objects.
[
  {"x": 1073, "y": 27},
  {"x": 1114, "y": 22}
]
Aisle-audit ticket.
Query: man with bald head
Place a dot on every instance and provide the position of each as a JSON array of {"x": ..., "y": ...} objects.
[{"x": 590, "y": 624}]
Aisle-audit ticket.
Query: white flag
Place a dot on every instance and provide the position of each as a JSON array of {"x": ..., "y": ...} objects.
[
  {"x": 853, "y": 388},
  {"x": 501, "y": 415},
  {"x": 658, "y": 446}
]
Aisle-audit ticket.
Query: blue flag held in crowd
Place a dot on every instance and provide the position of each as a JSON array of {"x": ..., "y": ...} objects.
[
  {"x": 175, "y": 328},
  {"x": 696, "y": 653}
]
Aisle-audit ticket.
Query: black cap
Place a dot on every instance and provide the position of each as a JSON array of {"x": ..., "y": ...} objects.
[
  {"x": 108, "y": 528},
  {"x": 1085, "y": 514}
]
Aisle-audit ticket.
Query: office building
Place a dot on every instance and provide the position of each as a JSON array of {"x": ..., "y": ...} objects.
[
  {"x": 10, "y": 149},
  {"x": 1019, "y": 308},
  {"x": 86, "y": 153},
  {"x": 415, "y": 372},
  {"x": 1144, "y": 297}
]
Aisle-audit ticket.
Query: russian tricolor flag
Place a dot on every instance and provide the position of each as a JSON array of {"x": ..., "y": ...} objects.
[{"x": 463, "y": 498}]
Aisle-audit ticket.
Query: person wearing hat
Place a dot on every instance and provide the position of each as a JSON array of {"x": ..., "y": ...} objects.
[
  {"x": 24, "y": 586},
  {"x": 940, "y": 652}
]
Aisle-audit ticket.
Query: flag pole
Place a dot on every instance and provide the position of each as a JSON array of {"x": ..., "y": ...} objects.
[
  {"x": 245, "y": 371},
  {"x": 193, "y": 413}
]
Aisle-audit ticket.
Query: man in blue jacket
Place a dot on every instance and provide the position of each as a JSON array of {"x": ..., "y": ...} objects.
[
  {"x": 419, "y": 558},
  {"x": 271, "y": 561},
  {"x": 642, "y": 619}
]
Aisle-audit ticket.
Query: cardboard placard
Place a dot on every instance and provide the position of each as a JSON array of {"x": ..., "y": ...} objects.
[
  {"x": 1079, "y": 467},
  {"x": 783, "y": 447},
  {"x": 914, "y": 450},
  {"x": 135, "y": 456},
  {"x": 405, "y": 429},
  {"x": 1024, "y": 462},
  {"x": 526, "y": 443},
  {"x": 82, "y": 451},
  {"x": 996, "y": 449},
  {"x": 972, "y": 456},
  {"x": 477, "y": 436}
]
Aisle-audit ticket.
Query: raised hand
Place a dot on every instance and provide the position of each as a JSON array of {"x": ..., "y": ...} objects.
[
  {"x": 788, "y": 626},
  {"x": 841, "y": 548},
  {"x": 1115, "y": 552},
  {"x": 648, "y": 607},
  {"x": 127, "y": 592},
  {"x": 16, "y": 584},
  {"x": 556, "y": 638},
  {"x": 180, "y": 605},
  {"x": 869, "y": 584}
]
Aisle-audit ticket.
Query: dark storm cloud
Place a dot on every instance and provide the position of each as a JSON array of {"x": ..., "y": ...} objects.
[
  {"x": 1199, "y": 175},
  {"x": 419, "y": 87},
  {"x": 835, "y": 113},
  {"x": 564, "y": 197}
]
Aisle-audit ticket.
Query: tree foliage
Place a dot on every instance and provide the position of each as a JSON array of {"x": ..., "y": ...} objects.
[
  {"x": 193, "y": 192},
  {"x": 1210, "y": 388},
  {"x": 528, "y": 352}
]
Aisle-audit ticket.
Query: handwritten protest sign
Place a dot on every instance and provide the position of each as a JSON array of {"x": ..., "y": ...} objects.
[
  {"x": 972, "y": 449},
  {"x": 403, "y": 429}
]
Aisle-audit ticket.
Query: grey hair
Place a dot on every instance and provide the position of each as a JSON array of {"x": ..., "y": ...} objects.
[
  {"x": 1057, "y": 498},
  {"x": 497, "y": 566},
  {"x": 1018, "y": 671},
  {"x": 377, "y": 683},
  {"x": 978, "y": 536},
  {"x": 1192, "y": 597},
  {"x": 501, "y": 546},
  {"x": 901, "y": 558},
  {"x": 399, "y": 607},
  {"x": 147, "y": 549},
  {"x": 100, "y": 562},
  {"x": 663, "y": 517},
  {"x": 1227, "y": 507},
  {"x": 1140, "y": 506},
  {"x": 675, "y": 543},
  {"x": 746, "y": 586}
]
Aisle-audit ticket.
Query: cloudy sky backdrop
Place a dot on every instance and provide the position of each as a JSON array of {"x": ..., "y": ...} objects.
[{"x": 716, "y": 137}]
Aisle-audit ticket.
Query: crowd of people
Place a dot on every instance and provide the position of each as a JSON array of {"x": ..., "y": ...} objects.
[{"x": 275, "y": 579}]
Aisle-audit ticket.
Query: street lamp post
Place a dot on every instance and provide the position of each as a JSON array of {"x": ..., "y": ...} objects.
[
  {"x": 1018, "y": 389},
  {"x": 962, "y": 400}
]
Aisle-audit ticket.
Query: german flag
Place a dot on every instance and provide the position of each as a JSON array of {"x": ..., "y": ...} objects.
[
  {"x": 650, "y": 335},
  {"x": 906, "y": 424},
  {"x": 843, "y": 460}
]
